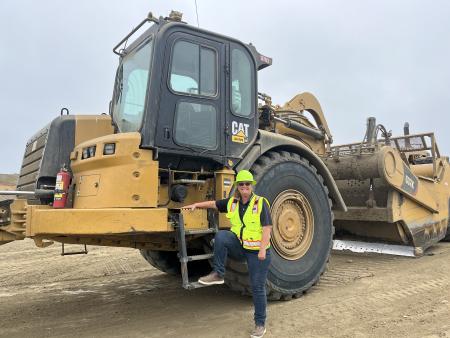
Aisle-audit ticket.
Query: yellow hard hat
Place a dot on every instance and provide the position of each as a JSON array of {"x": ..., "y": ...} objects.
[{"x": 245, "y": 176}]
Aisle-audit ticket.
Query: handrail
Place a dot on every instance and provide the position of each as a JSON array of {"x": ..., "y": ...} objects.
[
  {"x": 149, "y": 18},
  {"x": 421, "y": 135}
]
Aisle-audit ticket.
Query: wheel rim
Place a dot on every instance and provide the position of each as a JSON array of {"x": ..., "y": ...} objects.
[{"x": 293, "y": 224}]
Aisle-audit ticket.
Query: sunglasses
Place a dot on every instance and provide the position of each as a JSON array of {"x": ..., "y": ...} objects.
[{"x": 241, "y": 184}]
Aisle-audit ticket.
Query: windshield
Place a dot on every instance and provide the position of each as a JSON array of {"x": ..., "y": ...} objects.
[{"x": 131, "y": 88}]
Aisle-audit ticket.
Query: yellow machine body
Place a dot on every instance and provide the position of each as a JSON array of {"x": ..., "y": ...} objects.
[
  {"x": 117, "y": 200},
  {"x": 392, "y": 196},
  {"x": 394, "y": 193}
]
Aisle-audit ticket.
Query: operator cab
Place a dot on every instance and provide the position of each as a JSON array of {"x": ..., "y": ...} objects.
[{"x": 190, "y": 93}]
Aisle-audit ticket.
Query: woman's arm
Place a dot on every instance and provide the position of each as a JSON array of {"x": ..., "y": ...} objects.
[
  {"x": 264, "y": 241},
  {"x": 201, "y": 205}
]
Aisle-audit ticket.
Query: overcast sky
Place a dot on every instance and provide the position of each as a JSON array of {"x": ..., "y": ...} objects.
[{"x": 388, "y": 59}]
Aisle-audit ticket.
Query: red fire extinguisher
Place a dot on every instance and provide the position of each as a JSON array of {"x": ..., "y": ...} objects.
[{"x": 61, "y": 188}]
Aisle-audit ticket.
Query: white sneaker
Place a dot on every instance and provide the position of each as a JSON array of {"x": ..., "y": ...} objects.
[{"x": 258, "y": 332}]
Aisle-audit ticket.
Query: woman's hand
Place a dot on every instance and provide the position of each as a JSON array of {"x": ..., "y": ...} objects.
[
  {"x": 262, "y": 254},
  {"x": 190, "y": 207}
]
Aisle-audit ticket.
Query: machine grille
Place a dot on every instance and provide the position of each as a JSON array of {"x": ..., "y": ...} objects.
[{"x": 31, "y": 163}]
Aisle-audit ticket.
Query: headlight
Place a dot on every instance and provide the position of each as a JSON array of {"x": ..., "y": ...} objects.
[
  {"x": 91, "y": 151},
  {"x": 109, "y": 149},
  {"x": 88, "y": 152}
]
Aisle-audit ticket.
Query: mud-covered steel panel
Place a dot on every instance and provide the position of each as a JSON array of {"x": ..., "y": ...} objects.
[
  {"x": 32, "y": 158},
  {"x": 29, "y": 179},
  {"x": 37, "y": 142},
  {"x": 356, "y": 193},
  {"x": 30, "y": 168}
]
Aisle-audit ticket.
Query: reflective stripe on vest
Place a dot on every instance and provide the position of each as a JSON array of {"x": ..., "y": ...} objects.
[{"x": 249, "y": 231}]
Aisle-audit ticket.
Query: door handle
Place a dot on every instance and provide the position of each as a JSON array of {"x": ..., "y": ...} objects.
[{"x": 167, "y": 133}]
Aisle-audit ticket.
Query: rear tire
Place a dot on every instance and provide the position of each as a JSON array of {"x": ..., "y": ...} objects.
[{"x": 302, "y": 230}]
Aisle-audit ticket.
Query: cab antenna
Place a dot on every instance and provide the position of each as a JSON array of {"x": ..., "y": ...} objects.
[{"x": 196, "y": 12}]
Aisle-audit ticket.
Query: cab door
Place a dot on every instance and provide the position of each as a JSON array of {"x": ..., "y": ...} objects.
[{"x": 191, "y": 115}]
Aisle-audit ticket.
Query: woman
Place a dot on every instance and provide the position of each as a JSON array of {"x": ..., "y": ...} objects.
[{"x": 249, "y": 239}]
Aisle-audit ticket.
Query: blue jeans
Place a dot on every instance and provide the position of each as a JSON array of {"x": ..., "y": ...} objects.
[{"x": 227, "y": 244}]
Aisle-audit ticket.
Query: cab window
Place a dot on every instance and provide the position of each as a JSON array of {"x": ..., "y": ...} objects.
[
  {"x": 193, "y": 69},
  {"x": 196, "y": 125},
  {"x": 241, "y": 83},
  {"x": 131, "y": 88}
]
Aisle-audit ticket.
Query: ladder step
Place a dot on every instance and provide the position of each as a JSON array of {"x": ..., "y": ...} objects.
[
  {"x": 199, "y": 257},
  {"x": 181, "y": 233},
  {"x": 200, "y": 231}
]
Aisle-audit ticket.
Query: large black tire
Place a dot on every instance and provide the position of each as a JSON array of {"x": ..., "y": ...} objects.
[
  {"x": 168, "y": 262},
  {"x": 285, "y": 176}
]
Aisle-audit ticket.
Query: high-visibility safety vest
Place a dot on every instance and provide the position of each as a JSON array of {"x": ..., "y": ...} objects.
[{"x": 249, "y": 232}]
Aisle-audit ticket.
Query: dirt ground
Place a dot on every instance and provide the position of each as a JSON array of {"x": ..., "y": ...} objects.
[{"x": 113, "y": 292}]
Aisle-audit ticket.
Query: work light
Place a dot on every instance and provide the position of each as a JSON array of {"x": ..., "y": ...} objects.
[{"x": 109, "y": 149}]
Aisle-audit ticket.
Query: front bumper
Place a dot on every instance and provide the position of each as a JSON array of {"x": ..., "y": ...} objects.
[{"x": 42, "y": 220}]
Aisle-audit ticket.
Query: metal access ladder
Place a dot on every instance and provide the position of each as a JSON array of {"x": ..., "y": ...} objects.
[{"x": 181, "y": 234}]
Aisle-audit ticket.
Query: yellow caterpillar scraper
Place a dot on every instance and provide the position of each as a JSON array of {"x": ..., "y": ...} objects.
[{"x": 184, "y": 118}]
